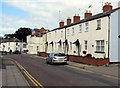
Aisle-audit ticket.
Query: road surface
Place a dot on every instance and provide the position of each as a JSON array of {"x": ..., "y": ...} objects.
[{"x": 60, "y": 75}]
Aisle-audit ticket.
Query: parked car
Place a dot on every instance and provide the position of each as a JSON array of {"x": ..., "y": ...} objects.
[
  {"x": 16, "y": 52},
  {"x": 4, "y": 52},
  {"x": 56, "y": 58}
]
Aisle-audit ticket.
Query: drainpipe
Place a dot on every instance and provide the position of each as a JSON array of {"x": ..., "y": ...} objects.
[
  {"x": 65, "y": 39},
  {"x": 65, "y": 33},
  {"x": 67, "y": 46},
  {"x": 109, "y": 37}
]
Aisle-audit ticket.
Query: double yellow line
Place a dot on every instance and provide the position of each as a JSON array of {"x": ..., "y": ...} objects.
[{"x": 33, "y": 80}]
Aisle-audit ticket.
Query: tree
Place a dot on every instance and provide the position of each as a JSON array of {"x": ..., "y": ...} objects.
[
  {"x": 22, "y": 33},
  {"x": 9, "y": 36}
]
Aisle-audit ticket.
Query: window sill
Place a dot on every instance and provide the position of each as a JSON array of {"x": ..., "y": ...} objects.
[
  {"x": 98, "y": 28},
  {"x": 99, "y": 52}
]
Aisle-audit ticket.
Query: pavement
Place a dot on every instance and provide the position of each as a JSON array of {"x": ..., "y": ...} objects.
[
  {"x": 111, "y": 70},
  {"x": 11, "y": 75}
]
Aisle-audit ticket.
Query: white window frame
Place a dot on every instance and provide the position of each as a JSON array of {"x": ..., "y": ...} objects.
[
  {"x": 86, "y": 27},
  {"x": 99, "y": 23},
  {"x": 80, "y": 27},
  {"x": 100, "y": 45},
  {"x": 73, "y": 31},
  {"x": 86, "y": 44}
]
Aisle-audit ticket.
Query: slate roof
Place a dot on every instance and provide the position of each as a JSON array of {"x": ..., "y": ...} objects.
[
  {"x": 10, "y": 40},
  {"x": 89, "y": 18}
]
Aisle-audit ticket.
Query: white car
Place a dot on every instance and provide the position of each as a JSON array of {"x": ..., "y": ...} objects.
[{"x": 56, "y": 58}]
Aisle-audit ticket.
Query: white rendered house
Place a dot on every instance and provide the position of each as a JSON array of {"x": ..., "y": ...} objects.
[
  {"x": 34, "y": 44},
  {"x": 12, "y": 44},
  {"x": 95, "y": 34},
  {"x": 36, "y": 41}
]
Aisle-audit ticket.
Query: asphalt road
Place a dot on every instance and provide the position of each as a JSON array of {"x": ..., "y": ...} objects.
[{"x": 60, "y": 75}]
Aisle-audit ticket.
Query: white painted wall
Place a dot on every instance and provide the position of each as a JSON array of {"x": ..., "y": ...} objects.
[
  {"x": 55, "y": 36},
  {"x": 91, "y": 36},
  {"x": 34, "y": 44},
  {"x": 12, "y": 46},
  {"x": 114, "y": 40},
  {"x": 119, "y": 33}
]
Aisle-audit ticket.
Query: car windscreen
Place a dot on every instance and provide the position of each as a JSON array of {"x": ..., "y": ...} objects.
[{"x": 59, "y": 54}]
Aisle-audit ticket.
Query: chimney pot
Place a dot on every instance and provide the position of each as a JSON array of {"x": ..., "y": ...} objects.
[
  {"x": 107, "y": 7},
  {"x": 61, "y": 23},
  {"x": 76, "y": 18},
  {"x": 87, "y": 14},
  {"x": 68, "y": 20}
]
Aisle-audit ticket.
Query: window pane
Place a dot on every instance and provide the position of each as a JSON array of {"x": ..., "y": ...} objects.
[
  {"x": 102, "y": 42},
  {"x": 102, "y": 48},
  {"x": 86, "y": 24},
  {"x": 98, "y": 43},
  {"x": 80, "y": 27},
  {"x": 61, "y": 54},
  {"x": 98, "y": 23},
  {"x": 97, "y": 48},
  {"x": 85, "y": 45},
  {"x": 72, "y": 30}
]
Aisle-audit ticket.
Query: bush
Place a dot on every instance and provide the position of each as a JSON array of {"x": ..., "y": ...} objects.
[{"x": 88, "y": 55}]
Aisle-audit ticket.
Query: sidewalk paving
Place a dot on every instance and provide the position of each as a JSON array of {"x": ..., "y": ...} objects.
[
  {"x": 110, "y": 70},
  {"x": 11, "y": 75}
]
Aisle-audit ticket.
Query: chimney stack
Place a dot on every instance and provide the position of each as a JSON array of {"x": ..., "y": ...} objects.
[
  {"x": 107, "y": 7},
  {"x": 87, "y": 14},
  {"x": 68, "y": 20},
  {"x": 61, "y": 23},
  {"x": 76, "y": 18}
]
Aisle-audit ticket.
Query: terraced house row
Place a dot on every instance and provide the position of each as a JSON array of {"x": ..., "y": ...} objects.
[{"x": 94, "y": 35}]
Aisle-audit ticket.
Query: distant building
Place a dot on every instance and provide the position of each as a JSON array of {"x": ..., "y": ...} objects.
[
  {"x": 36, "y": 41},
  {"x": 12, "y": 44}
]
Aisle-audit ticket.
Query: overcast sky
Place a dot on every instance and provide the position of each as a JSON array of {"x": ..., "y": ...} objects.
[{"x": 43, "y": 13}]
